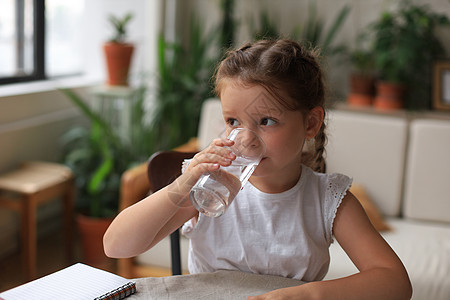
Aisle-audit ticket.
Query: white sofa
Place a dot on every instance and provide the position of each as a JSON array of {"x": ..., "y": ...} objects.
[{"x": 404, "y": 165}]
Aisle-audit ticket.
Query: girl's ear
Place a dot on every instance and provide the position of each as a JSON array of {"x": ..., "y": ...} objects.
[{"x": 314, "y": 121}]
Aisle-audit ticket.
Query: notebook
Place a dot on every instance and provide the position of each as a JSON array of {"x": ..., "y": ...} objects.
[{"x": 78, "y": 281}]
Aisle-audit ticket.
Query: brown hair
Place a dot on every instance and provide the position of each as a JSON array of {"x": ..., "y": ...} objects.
[{"x": 284, "y": 68}]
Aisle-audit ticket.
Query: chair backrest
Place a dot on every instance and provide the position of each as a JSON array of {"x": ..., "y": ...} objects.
[{"x": 163, "y": 168}]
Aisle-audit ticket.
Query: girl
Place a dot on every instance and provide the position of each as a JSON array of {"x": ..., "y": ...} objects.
[{"x": 284, "y": 219}]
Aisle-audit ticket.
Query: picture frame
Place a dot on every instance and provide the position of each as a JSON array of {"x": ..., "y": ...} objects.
[{"x": 441, "y": 85}]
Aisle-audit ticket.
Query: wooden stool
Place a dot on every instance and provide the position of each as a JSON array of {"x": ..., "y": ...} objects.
[{"x": 24, "y": 189}]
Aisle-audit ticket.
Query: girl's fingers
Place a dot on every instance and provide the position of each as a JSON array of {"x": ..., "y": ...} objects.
[
  {"x": 217, "y": 153},
  {"x": 212, "y": 158},
  {"x": 208, "y": 160},
  {"x": 222, "y": 142}
]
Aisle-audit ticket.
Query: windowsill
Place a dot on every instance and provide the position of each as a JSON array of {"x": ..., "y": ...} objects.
[{"x": 16, "y": 89}]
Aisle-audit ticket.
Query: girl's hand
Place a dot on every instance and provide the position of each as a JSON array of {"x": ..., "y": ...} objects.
[
  {"x": 208, "y": 160},
  {"x": 276, "y": 294},
  {"x": 211, "y": 158}
]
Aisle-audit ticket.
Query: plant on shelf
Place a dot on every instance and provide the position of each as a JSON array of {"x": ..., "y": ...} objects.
[
  {"x": 404, "y": 46},
  {"x": 362, "y": 77},
  {"x": 118, "y": 52}
]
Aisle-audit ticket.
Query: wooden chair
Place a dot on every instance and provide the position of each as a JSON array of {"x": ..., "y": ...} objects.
[{"x": 160, "y": 170}]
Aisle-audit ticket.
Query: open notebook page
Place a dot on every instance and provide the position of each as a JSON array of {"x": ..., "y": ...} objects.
[{"x": 78, "y": 281}]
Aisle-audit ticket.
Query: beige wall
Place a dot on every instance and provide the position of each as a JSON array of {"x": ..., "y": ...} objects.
[{"x": 30, "y": 126}]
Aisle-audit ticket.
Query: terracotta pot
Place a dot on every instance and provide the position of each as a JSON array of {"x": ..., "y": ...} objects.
[
  {"x": 389, "y": 96},
  {"x": 91, "y": 231},
  {"x": 362, "y": 90},
  {"x": 118, "y": 60}
]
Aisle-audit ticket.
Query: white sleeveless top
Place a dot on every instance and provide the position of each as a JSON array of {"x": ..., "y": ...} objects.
[{"x": 285, "y": 234}]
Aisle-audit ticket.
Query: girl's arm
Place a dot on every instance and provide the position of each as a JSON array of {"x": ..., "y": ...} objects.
[
  {"x": 142, "y": 225},
  {"x": 382, "y": 274}
]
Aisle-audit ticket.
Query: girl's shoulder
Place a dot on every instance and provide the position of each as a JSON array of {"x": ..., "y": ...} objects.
[
  {"x": 331, "y": 182},
  {"x": 332, "y": 188}
]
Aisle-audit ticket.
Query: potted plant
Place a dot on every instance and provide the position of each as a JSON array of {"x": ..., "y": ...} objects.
[
  {"x": 97, "y": 157},
  {"x": 118, "y": 53},
  {"x": 405, "y": 46},
  {"x": 362, "y": 78}
]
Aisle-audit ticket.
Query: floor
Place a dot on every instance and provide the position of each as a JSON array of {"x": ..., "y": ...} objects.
[{"x": 51, "y": 258}]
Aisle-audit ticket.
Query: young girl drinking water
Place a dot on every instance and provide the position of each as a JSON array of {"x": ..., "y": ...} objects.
[{"x": 284, "y": 219}]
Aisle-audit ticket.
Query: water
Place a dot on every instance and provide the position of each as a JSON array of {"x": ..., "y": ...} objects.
[{"x": 215, "y": 191}]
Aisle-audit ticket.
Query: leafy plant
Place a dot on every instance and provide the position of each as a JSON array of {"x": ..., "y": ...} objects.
[
  {"x": 98, "y": 157},
  {"x": 405, "y": 46},
  {"x": 228, "y": 27},
  {"x": 119, "y": 25},
  {"x": 363, "y": 61},
  {"x": 184, "y": 83},
  {"x": 362, "y": 57},
  {"x": 312, "y": 31},
  {"x": 267, "y": 28}
]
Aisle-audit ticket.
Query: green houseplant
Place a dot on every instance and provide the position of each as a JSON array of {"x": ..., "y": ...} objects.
[
  {"x": 405, "y": 45},
  {"x": 98, "y": 156},
  {"x": 118, "y": 52},
  {"x": 362, "y": 77}
]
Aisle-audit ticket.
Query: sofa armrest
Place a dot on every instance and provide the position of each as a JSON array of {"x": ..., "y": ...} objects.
[{"x": 134, "y": 186}]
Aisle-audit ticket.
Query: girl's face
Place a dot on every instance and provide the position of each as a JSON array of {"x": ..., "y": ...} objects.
[{"x": 283, "y": 131}]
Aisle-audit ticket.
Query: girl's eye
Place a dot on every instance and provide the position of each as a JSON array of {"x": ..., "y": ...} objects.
[
  {"x": 268, "y": 122},
  {"x": 233, "y": 122}
]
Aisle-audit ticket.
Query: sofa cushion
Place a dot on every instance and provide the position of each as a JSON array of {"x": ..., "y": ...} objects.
[
  {"x": 427, "y": 178},
  {"x": 424, "y": 249},
  {"x": 370, "y": 148}
]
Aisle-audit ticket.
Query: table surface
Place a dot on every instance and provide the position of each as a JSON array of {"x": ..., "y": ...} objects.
[{"x": 218, "y": 285}]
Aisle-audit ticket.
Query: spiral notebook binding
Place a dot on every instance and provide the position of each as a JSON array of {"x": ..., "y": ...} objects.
[{"x": 119, "y": 293}]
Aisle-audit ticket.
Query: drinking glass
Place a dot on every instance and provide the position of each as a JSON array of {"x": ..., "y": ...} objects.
[{"x": 215, "y": 191}]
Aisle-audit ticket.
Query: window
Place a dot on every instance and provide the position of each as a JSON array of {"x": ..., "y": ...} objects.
[
  {"x": 63, "y": 37},
  {"x": 39, "y": 39},
  {"x": 21, "y": 38}
]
